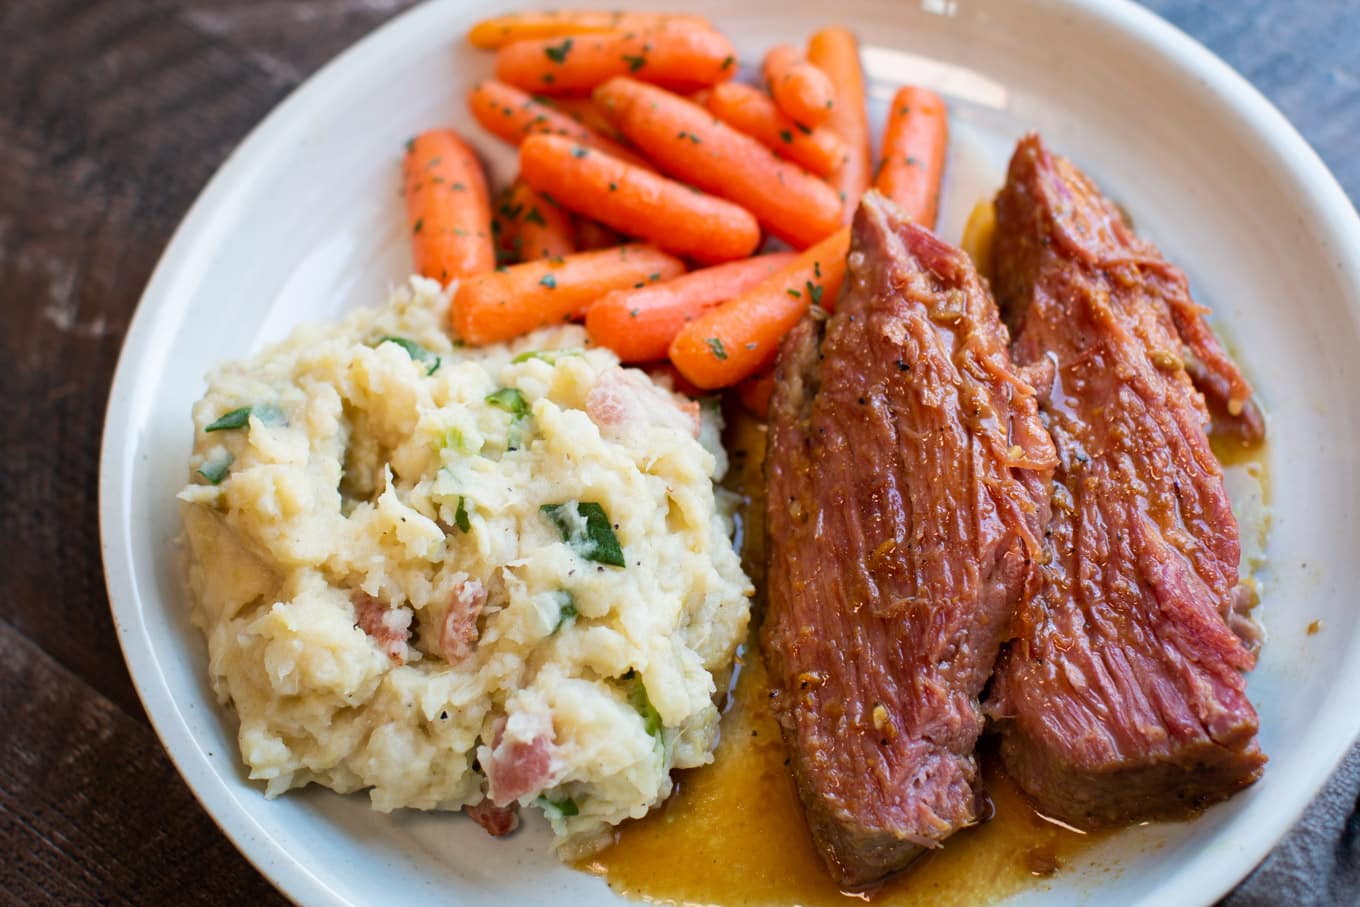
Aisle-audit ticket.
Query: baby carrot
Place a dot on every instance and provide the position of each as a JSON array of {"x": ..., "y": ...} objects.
[
  {"x": 836, "y": 53},
  {"x": 448, "y": 208},
  {"x": 591, "y": 234},
  {"x": 504, "y": 229},
  {"x": 504, "y": 304},
  {"x": 751, "y": 111},
  {"x": 685, "y": 141},
  {"x": 799, "y": 89},
  {"x": 490, "y": 34},
  {"x": 542, "y": 228},
  {"x": 638, "y": 202},
  {"x": 682, "y": 59},
  {"x": 585, "y": 112},
  {"x": 755, "y": 393},
  {"x": 740, "y": 337},
  {"x": 640, "y": 323},
  {"x": 912, "y": 163},
  {"x": 512, "y": 115}
]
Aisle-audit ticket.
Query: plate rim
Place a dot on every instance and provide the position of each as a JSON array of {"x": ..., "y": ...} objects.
[{"x": 1337, "y": 218}]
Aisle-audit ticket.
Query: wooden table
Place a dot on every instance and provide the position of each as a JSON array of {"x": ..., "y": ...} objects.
[{"x": 113, "y": 114}]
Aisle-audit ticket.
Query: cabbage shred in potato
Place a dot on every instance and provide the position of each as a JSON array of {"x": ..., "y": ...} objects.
[{"x": 447, "y": 575}]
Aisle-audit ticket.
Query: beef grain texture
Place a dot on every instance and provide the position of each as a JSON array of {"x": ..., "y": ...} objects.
[
  {"x": 908, "y": 475},
  {"x": 1122, "y": 697}
]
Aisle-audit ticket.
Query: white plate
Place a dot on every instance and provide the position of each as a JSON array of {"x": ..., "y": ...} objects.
[{"x": 304, "y": 221}]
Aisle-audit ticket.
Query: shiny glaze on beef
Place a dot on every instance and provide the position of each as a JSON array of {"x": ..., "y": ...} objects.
[
  {"x": 1122, "y": 696},
  {"x": 907, "y": 489}
]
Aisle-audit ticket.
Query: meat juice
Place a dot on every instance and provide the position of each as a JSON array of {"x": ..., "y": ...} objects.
[{"x": 733, "y": 832}]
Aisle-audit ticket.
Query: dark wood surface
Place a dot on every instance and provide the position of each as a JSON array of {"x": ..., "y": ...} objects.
[{"x": 113, "y": 115}]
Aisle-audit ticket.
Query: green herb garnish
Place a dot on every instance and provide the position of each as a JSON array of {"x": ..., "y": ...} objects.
[
  {"x": 417, "y": 352},
  {"x": 453, "y": 438},
  {"x": 513, "y": 402},
  {"x": 509, "y": 399},
  {"x": 638, "y": 699},
  {"x": 814, "y": 291},
  {"x": 461, "y": 518},
  {"x": 558, "y": 809},
  {"x": 267, "y": 413},
  {"x": 566, "y": 609},
  {"x": 548, "y": 356},
  {"x": 585, "y": 527},
  {"x": 716, "y": 345},
  {"x": 215, "y": 468},
  {"x": 237, "y": 418},
  {"x": 559, "y": 53}
]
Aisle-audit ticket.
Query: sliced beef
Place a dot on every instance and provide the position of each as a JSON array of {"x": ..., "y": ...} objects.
[
  {"x": 1122, "y": 696},
  {"x": 907, "y": 483}
]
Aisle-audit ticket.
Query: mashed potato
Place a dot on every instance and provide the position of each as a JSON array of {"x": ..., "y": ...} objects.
[{"x": 461, "y": 577}]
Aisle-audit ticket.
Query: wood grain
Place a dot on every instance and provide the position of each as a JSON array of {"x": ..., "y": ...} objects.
[
  {"x": 91, "y": 811},
  {"x": 113, "y": 114}
]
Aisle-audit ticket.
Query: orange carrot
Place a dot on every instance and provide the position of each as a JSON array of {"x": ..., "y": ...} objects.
[
  {"x": 504, "y": 304},
  {"x": 639, "y": 324},
  {"x": 684, "y": 140},
  {"x": 755, "y": 393},
  {"x": 512, "y": 115},
  {"x": 542, "y": 228},
  {"x": 683, "y": 59},
  {"x": 448, "y": 208},
  {"x": 490, "y": 34},
  {"x": 741, "y": 336},
  {"x": 799, "y": 89},
  {"x": 592, "y": 234},
  {"x": 504, "y": 229},
  {"x": 587, "y": 113},
  {"x": 638, "y": 202},
  {"x": 751, "y": 111},
  {"x": 912, "y": 163},
  {"x": 836, "y": 53}
]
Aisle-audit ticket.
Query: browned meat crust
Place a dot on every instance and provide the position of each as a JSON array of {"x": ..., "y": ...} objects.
[
  {"x": 907, "y": 483},
  {"x": 1122, "y": 697}
]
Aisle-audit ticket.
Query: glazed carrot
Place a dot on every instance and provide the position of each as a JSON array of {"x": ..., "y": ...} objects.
[
  {"x": 682, "y": 59},
  {"x": 755, "y": 393},
  {"x": 912, "y": 163},
  {"x": 504, "y": 304},
  {"x": 591, "y": 234},
  {"x": 512, "y": 115},
  {"x": 587, "y": 113},
  {"x": 448, "y": 209},
  {"x": 490, "y": 34},
  {"x": 640, "y": 323},
  {"x": 751, "y": 111},
  {"x": 800, "y": 90},
  {"x": 740, "y": 337},
  {"x": 685, "y": 141},
  {"x": 636, "y": 201},
  {"x": 504, "y": 229},
  {"x": 542, "y": 228},
  {"x": 836, "y": 52}
]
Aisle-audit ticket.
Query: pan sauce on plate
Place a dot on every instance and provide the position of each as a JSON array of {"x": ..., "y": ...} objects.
[{"x": 740, "y": 826}]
